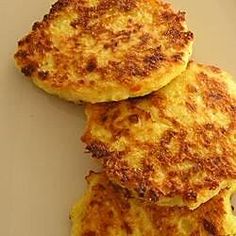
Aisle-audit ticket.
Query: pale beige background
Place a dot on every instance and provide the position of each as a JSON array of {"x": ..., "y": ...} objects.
[{"x": 42, "y": 165}]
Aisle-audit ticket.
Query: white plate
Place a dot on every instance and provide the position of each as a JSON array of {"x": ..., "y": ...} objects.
[{"x": 43, "y": 164}]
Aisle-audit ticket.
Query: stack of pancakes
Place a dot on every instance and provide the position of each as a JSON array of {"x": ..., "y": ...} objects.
[{"x": 162, "y": 126}]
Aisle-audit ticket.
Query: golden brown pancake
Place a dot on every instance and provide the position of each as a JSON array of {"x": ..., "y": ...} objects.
[
  {"x": 105, "y": 50},
  {"x": 108, "y": 210},
  {"x": 174, "y": 147}
]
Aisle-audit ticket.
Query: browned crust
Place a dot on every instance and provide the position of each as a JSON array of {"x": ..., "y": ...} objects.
[
  {"x": 137, "y": 63},
  {"x": 209, "y": 147},
  {"x": 114, "y": 211}
]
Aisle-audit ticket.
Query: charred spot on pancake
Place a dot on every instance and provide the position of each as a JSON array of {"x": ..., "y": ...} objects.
[
  {"x": 43, "y": 74},
  {"x": 209, "y": 227},
  {"x": 98, "y": 150},
  {"x": 21, "y": 54},
  {"x": 91, "y": 65},
  {"x": 89, "y": 233},
  {"x": 29, "y": 70},
  {"x": 133, "y": 118}
]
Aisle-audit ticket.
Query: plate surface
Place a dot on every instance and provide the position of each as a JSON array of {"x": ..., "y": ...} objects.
[{"x": 42, "y": 161}]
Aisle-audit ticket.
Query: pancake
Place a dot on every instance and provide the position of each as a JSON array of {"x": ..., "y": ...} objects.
[
  {"x": 176, "y": 146},
  {"x": 107, "y": 210},
  {"x": 105, "y": 50}
]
